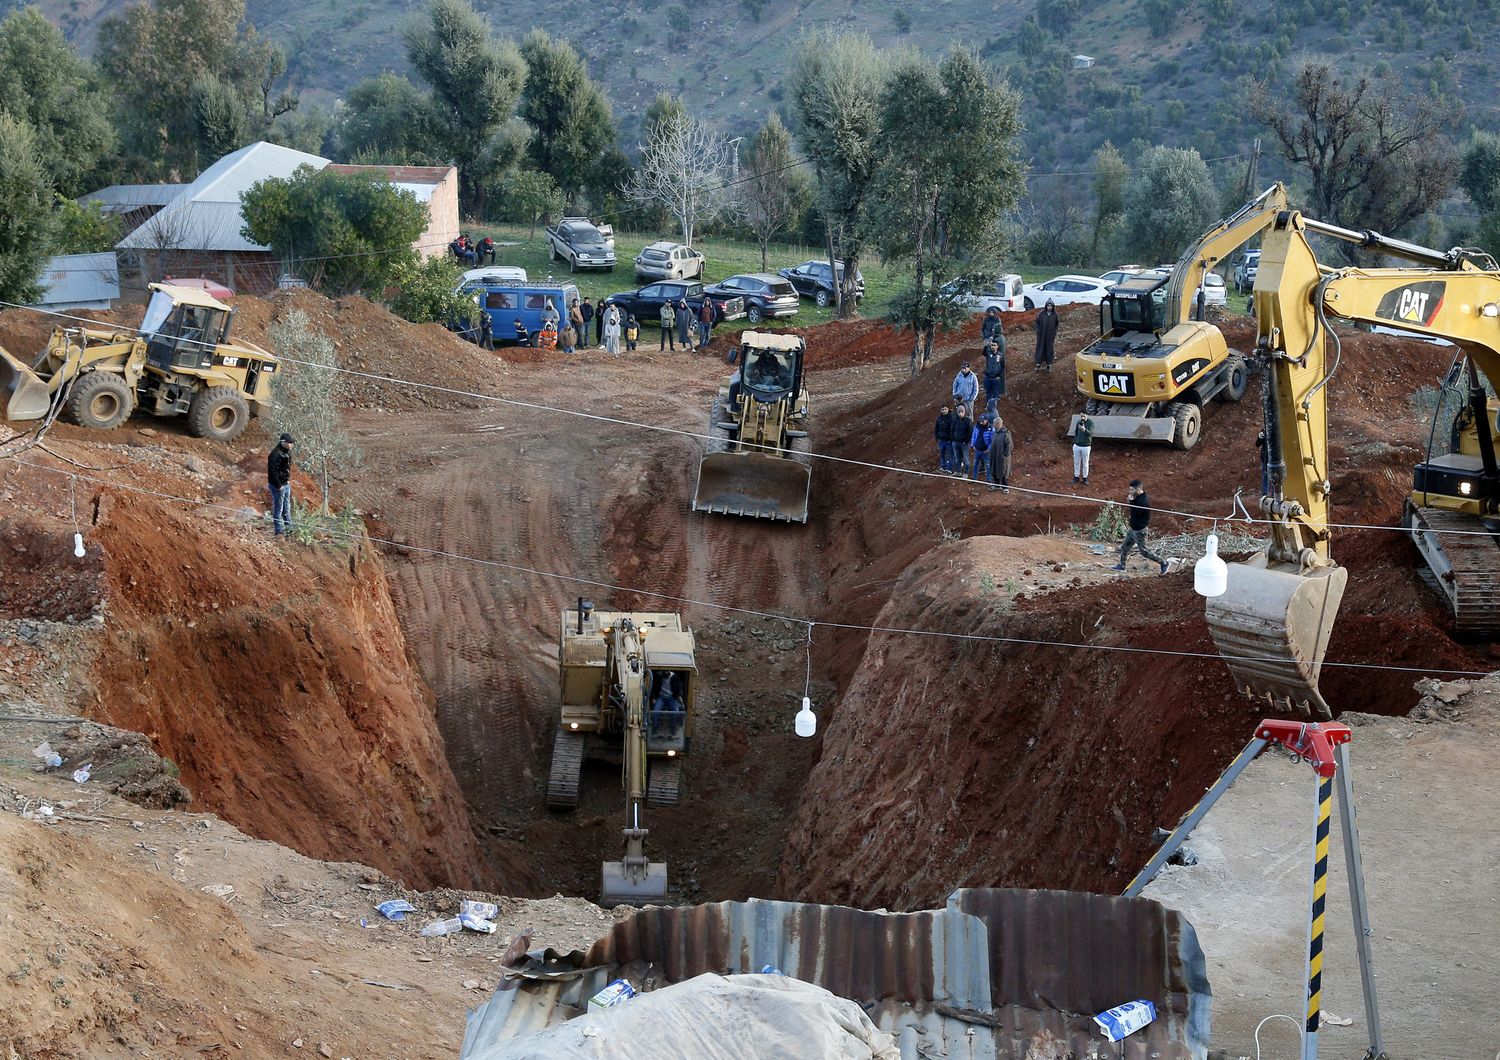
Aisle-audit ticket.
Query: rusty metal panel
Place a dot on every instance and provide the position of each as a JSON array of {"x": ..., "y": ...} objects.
[{"x": 994, "y": 975}]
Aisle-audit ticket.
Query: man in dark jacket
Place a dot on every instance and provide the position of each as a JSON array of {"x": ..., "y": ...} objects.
[
  {"x": 485, "y": 248},
  {"x": 963, "y": 428},
  {"x": 1140, "y": 519},
  {"x": 586, "y": 312},
  {"x": 1083, "y": 445},
  {"x": 684, "y": 324},
  {"x": 486, "y": 331},
  {"x": 279, "y": 482},
  {"x": 705, "y": 323},
  {"x": 942, "y": 432},
  {"x": 980, "y": 441},
  {"x": 991, "y": 326},
  {"x": 1046, "y": 335},
  {"x": 1000, "y": 451},
  {"x": 994, "y": 372}
]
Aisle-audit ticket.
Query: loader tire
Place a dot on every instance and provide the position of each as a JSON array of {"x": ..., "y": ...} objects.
[
  {"x": 1237, "y": 379},
  {"x": 220, "y": 413},
  {"x": 101, "y": 400},
  {"x": 717, "y": 441},
  {"x": 1189, "y": 424}
]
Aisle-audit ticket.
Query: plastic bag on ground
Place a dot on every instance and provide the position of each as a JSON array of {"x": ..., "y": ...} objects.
[{"x": 713, "y": 1017}]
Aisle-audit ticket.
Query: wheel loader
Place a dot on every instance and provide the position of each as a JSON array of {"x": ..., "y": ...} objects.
[
  {"x": 1154, "y": 369},
  {"x": 628, "y": 683},
  {"x": 756, "y": 462},
  {"x": 179, "y": 362},
  {"x": 1273, "y": 622}
]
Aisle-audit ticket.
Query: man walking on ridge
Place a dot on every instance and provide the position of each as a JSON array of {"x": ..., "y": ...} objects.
[{"x": 1140, "y": 519}]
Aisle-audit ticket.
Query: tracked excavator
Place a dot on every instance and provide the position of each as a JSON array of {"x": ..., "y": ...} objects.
[
  {"x": 628, "y": 683},
  {"x": 1273, "y": 623},
  {"x": 179, "y": 362},
  {"x": 1154, "y": 368},
  {"x": 756, "y": 462}
]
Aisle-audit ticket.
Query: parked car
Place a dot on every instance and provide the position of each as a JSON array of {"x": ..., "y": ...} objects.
[
  {"x": 1214, "y": 294},
  {"x": 579, "y": 242},
  {"x": 767, "y": 296},
  {"x": 1120, "y": 274},
  {"x": 646, "y": 303},
  {"x": 1065, "y": 290},
  {"x": 814, "y": 279},
  {"x": 506, "y": 302},
  {"x": 1003, "y": 294},
  {"x": 1245, "y": 270},
  {"x": 496, "y": 274},
  {"x": 664, "y": 260}
]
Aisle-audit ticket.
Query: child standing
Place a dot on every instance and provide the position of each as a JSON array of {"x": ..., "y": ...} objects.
[{"x": 632, "y": 333}]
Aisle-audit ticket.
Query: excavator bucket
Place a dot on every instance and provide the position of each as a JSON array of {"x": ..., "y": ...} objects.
[
  {"x": 1272, "y": 629},
  {"x": 626, "y": 883},
  {"x": 27, "y": 396},
  {"x": 753, "y": 484}
]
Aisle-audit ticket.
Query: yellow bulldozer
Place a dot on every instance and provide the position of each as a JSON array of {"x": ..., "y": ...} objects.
[
  {"x": 1273, "y": 621},
  {"x": 1154, "y": 368},
  {"x": 628, "y": 683},
  {"x": 179, "y": 362},
  {"x": 757, "y": 461}
]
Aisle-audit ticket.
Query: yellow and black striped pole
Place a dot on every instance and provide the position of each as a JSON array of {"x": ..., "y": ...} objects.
[{"x": 1319, "y": 904}]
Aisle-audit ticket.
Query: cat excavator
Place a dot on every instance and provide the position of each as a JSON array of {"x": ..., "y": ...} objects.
[
  {"x": 1273, "y": 622},
  {"x": 628, "y": 682},
  {"x": 1155, "y": 368}
]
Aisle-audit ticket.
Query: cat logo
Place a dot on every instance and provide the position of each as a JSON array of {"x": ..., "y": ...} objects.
[
  {"x": 1413, "y": 303},
  {"x": 1115, "y": 384}
]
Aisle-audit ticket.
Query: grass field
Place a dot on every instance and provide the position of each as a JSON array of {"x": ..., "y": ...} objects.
[{"x": 723, "y": 258}]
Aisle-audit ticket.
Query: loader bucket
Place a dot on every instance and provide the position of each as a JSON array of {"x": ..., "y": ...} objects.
[
  {"x": 753, "y": 484},
  {"x": 1272, "y": 628},
  {"x": 633, "y": 882},
  {"x": 27, "y": 396}
]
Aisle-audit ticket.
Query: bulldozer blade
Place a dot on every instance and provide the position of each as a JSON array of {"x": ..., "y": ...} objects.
[
  {"x": 1272, "y": 629},
  {"x": 753, "y": 484},
  {"x": 628, "y": 884},
  {"x": 27, "y": 396}
]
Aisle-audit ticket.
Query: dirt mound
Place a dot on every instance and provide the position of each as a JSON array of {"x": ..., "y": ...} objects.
[
  {"x": 370, "y": 338},
  {"x": 952, "y": 762},
  {"x": 121, "y": 762}
]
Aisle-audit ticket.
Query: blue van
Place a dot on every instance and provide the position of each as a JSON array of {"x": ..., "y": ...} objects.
[{"x": 505, "y": 303}]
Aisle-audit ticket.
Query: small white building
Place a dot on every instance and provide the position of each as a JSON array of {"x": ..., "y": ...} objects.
[
  {"x": 1082, "y": 62},
  {"x": 80, "y": 281}
]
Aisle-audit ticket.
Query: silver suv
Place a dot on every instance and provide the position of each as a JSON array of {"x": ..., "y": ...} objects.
[
  {"x": 1245, "y": 270},
  {"x": 663, "y": 260}
]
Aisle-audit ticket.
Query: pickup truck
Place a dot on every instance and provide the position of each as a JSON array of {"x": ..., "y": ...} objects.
[
  {"x": 1244, "y": 272},
  {"x": 646, "y": 303},
  {"x": 582, "y": 244}
]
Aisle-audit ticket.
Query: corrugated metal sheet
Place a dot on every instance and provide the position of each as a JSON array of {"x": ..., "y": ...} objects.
[
  {"x": 80, "y": 281},
  {"x": 995, "y": 974},
  {"x": 122, "y": 198}
]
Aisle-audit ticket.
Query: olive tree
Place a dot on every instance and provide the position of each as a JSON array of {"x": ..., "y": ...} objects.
[
  {"x": 306, "y": 404},
  {"x": 1169, "y": 201}
]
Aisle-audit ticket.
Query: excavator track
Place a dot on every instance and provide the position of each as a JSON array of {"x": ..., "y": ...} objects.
[
  {"x": 567, "y": 769},
  {"x": 665, "y": 779},
  {"x": 1466, "y": 566}
]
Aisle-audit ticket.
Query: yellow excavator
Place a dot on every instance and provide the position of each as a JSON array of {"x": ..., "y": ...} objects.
[
  {"x": 180, "y": 361},
  {"x": 1154, "y": 368},
  {"x": 628, "y": 684},
  {"x": 1273, "y": 623},
  {"x": 756, "y": 462}
]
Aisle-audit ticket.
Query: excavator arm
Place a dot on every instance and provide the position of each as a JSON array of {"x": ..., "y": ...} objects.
[
  {"x": 1273, "y": 622},
  {"x": 636, "y": 878},
  {"x": 1215, "y": 245}
]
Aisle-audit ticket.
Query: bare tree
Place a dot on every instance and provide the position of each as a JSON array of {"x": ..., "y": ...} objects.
[
  {"x": 1373, "y": 160},
  {"x": 306, "y": 405},
  {"x": 773, "y": 193},
  {"x": 687, "y": 168}
]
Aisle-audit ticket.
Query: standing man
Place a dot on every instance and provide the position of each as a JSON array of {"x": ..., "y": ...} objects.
[
  {"x": 611, "y": 320},
  {"x": 587, "y": 312},
  {"x": 279, "y": 482},
  {"x": 705, "y": 323},
  {"x": 486, "y": 331},
  {"x": 668, "y": 321},
  {"x": 1046, "y": 336},
  {"x": 965, "y": 386},
  {"x": 1140, "y": 519},
  {"x": 991, "y": 326},
  {"x": 994, "y": 372},
  {"x": 963, "y": 427},
  {"x": 575, "y": 317},
  {"x": 684, "y": 324},
  {"x": 1083, "y": 443},
  {"x": 1000, "y": 451},
  {"x": 981, "y": 441},
  {"x": 942, "y": 432}
]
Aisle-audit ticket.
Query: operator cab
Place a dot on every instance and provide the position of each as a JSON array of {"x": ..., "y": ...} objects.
[
  {"x": 1133, "y": 315},
  {"x": 183, "y": 326},
  {"x": 772, "y": 367}
]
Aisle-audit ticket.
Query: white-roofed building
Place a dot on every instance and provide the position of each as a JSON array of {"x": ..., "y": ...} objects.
[{"x": 80, "y": 281}]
